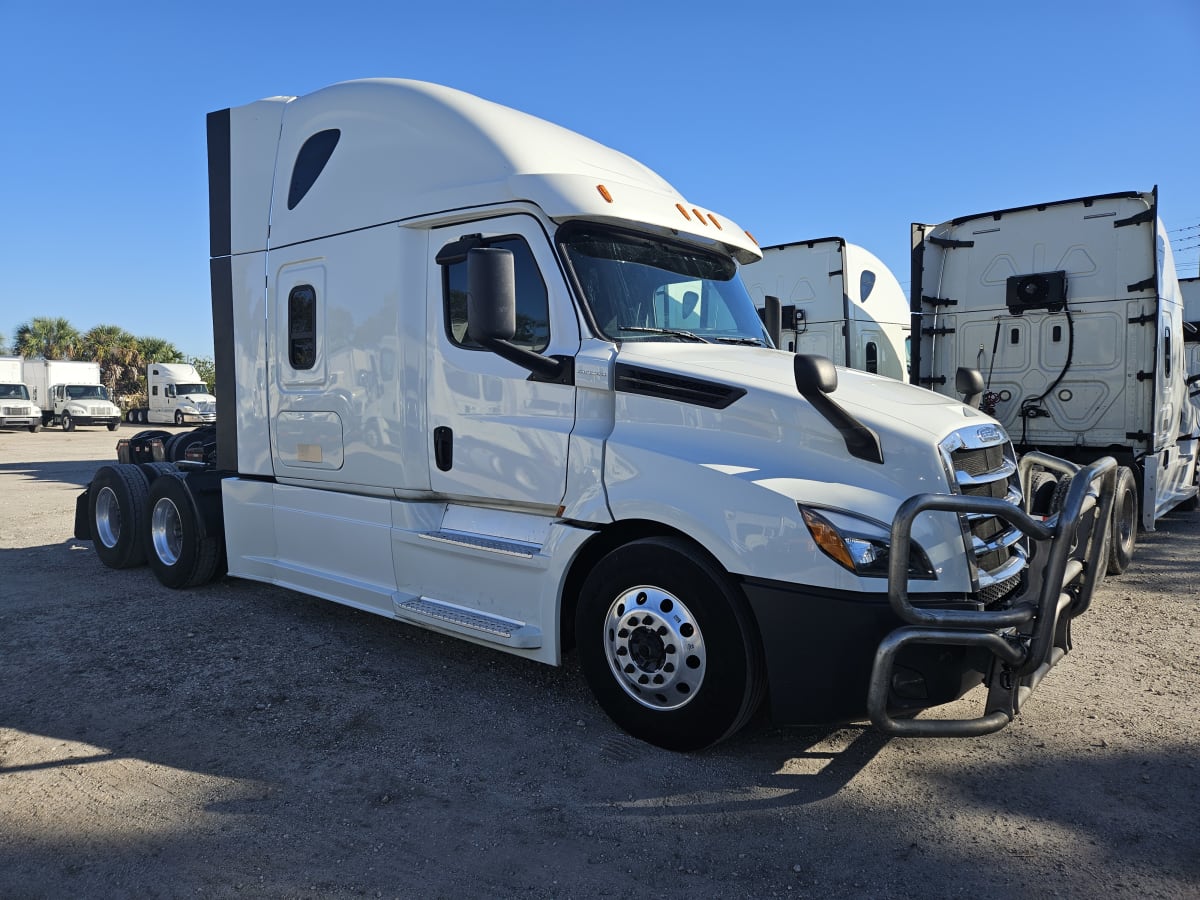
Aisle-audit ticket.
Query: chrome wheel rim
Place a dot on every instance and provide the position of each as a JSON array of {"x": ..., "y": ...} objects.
[
  {"x": 655, "y": 648},
  {"x": 108, "y": 517},
  {"x": 166, "y": 531}
]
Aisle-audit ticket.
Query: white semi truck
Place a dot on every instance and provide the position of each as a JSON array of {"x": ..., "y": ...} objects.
[
  {"x": 579, "y": 454},
  {"x": 175, "y": 393},
  {"x": 69, "y": 393},
  {"x": 1190, "y": 288},
  {"x": 837, "y": 300},
  {"x": 1072, "y": 312},
  {"x": 16, "y": 409}
]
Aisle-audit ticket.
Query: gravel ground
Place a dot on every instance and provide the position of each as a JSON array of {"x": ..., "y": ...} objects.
[{"x": 243, "y": 740}]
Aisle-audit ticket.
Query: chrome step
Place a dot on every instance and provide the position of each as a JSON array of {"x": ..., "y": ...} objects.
[
  {"x": 483, "y": 542},
  {"x": 461, "y": 620}
]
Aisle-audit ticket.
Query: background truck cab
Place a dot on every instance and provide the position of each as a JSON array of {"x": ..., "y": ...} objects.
[
  {"x": 1072, "y": 312},
  {"x": 175, "y": 393},
  {"x": 838, "y": 300}
]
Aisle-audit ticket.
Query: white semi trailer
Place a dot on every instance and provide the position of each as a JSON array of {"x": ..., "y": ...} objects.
[
  {"x": 69, "y": 393},
  {"x": 175, "y": 393},
  {"x": 578, "y": 454},
  {"x": 16, "y": 409},
  {"x": 1072, "y": 312},
  {"x": 1190, "y": 289},
  {"x": 837, "y": 300}
]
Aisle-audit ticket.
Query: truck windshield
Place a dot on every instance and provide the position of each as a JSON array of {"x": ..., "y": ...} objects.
[
  {"x": 182, "y": 389},
  {"x": 13, "y": 392},
  {"x": 87, "y": 392},
  {"x": 643, "y": 288}
]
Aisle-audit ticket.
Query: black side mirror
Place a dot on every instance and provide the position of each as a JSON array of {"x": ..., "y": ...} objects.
[
  {"x": 492, "y": 314},
  {"x": 773, "y": 319},
  {"x": 969, "y": 383},
  {"x": 816, "y": 379},
  {"x": 491, "y": 295},
  {"x": 814, "y": 374}
]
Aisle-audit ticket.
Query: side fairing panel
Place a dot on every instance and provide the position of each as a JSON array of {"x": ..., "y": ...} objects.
[
  {"x": 351, "y": 412},
  {"x": 248, "y": 362}
]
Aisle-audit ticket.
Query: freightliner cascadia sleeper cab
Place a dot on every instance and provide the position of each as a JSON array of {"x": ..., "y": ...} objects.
[{"x": 486, "y": 376}]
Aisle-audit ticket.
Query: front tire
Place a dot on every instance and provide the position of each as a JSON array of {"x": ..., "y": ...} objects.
[
  {"x": 1123, "y": 531},
  {"x": 116, "y": 514},
  {"x": 668, "y": 645},
  {"x": 178, "y": 417},
  {"x": 175, "y": 549},
  {"x": 113, "y": 426},
  {"x": 35, "y": 427},
  {"x": 68, "y": 424}
]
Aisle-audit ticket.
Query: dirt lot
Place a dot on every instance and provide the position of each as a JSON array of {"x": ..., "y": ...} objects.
[{"x": 241, "y": 740}]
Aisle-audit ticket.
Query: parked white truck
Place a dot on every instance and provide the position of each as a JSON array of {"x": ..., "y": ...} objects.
[
  {"x": 16, "y": 409},
  {"x": 69, "y": 393},
  {"x": 838, "y": 300},
  {"x": 1072, "y": 312},
  {"x": 579, "y": 454},
  {"x": 1190, "y": 289},
  {"x": 175, "y": 393}
]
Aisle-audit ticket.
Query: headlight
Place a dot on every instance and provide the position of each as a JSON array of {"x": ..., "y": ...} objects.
[
  {"x": 855, "y": 549},
  {"x": 187, "y": 408}
]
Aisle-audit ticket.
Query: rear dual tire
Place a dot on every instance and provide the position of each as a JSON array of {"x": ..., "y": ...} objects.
[
  {"x": 1123, "y": 530},
  {"x": 177, "y": 548},
  {"x": 117, "y": 505}
]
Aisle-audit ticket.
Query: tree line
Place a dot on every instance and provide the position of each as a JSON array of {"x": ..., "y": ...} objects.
[{"x": 122, "y": 356}]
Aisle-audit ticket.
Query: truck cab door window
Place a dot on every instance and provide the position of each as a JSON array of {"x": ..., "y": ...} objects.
[
  {"x": 302, "y": 327},
  {"x": 533, "y": 308}
]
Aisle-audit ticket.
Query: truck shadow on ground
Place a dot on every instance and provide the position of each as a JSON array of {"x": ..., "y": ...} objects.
[{"x": 72, "y": 472}]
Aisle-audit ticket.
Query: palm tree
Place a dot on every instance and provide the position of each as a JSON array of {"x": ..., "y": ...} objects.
[
  {"x": 117, "y": 352},
  {"x": 52, "y": 338},
  {"x": 153, "y": 349}
]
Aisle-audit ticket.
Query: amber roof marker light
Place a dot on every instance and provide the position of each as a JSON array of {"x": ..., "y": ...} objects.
[{"x": 604, "y": 193}]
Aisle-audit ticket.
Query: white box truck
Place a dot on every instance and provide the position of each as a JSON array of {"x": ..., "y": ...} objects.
[
  {"x": 837, "y": 300},
  {"x": 175, "y": 393},
  {"x": 573, "y": 458},
  {"x": 69, "y": 393},
  {"x": 1072, "y": 313},
  {"x": 16, "y": 409}
]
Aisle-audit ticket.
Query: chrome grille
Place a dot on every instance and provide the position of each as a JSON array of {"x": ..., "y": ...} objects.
[
  {"x": 981, "y": 463},
  {"x": 15, "y": 411}
]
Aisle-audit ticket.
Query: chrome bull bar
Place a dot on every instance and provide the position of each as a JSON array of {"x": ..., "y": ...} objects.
[{"x": 1030, "y": 634}]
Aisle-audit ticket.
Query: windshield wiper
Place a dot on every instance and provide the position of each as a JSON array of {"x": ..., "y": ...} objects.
[
  {"x": 749, "y": 341},
  {"x": 673, "y": 332}
]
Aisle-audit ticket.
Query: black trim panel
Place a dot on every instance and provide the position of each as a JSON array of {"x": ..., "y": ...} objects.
[
  {"x": 683, "y": 388},
  {"x": 220, "y": 215},
  {"x": 224, "y": 360}
]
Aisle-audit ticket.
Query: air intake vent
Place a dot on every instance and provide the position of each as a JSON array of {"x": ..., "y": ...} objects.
[{"x": 652, "y": 383}]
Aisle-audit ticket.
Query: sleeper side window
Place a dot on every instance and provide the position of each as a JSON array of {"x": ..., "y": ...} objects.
[
  {"x": 310, "y": 163},
  {"x": 533, "y": 305},
  {"x": 302, "y": 327}
]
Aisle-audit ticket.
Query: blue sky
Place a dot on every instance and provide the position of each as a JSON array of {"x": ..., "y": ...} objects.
[{"x": 797, "y": 120}]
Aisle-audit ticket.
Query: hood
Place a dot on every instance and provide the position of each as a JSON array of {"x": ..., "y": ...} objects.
[{"x": 786, "y": 442}]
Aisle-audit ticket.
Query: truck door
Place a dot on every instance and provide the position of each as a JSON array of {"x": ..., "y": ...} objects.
[{"x": 495, "y": 435}]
